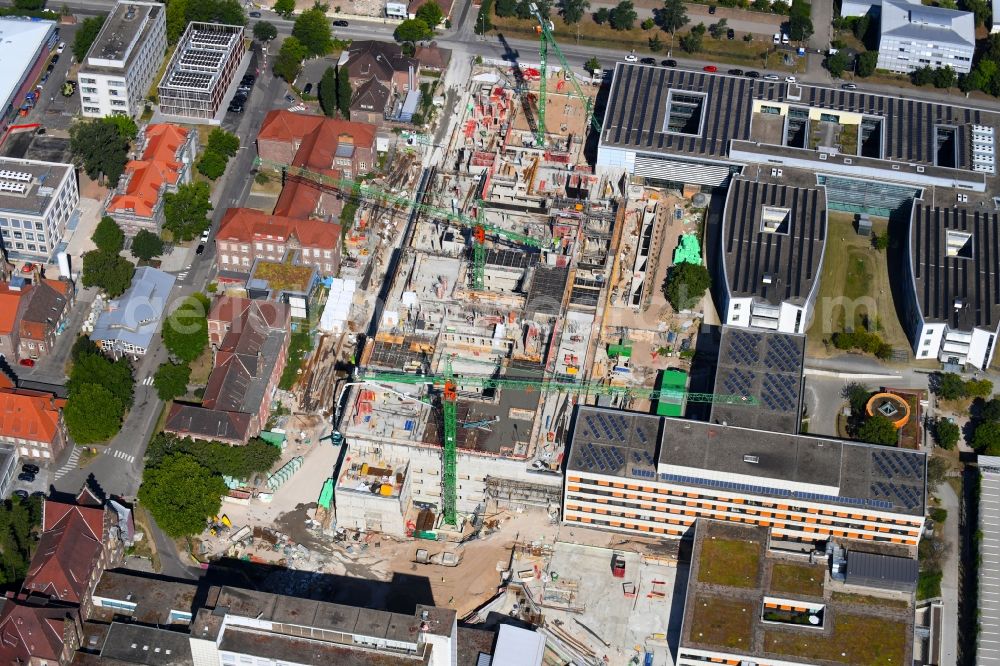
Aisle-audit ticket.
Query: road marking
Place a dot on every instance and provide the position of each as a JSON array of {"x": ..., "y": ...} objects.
[
  {"x": 121, "y": 455},
  {"x": 69, "y": 466},
  {"x": 148, "y": 381}
]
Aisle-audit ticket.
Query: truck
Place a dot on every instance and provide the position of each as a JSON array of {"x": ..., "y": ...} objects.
[{"x": 618, "y": 565}]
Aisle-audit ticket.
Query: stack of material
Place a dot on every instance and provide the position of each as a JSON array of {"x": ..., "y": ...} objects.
[{"x": 338, "y": 306}]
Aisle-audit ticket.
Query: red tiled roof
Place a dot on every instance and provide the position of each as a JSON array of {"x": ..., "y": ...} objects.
[
  {"x": 29, "y": 415},
  {"x": 281, "y": 125},
  {"x": 9, "y": 302},
  {"x": 319, "y": 146},
  {"x": 297, "y": 199},
  {"x": 246, "y": 225},
  {"x": 234, "y": 309},
  {"x": 68, "y": 550},
  {"x": 156, "y": 167},
  {"x": 30, "y": 633}
]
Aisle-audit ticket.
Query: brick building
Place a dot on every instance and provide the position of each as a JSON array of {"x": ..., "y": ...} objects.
[{"x": 246, "y": 234}]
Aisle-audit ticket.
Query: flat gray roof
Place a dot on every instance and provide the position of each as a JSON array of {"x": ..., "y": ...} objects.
[
  {"x": 988, "y": 652},
  {"x": 136, "y": 644},
  {"x": 616, "y": 443},
  {"x": 956, "y": 284},
  {"x": 27, "y": 187},
  {"x": 766, "y": 365},
  {"x": 876, "y": 570},
  {"x": 126, "y": 28},
  {"x": 772, "y": 240}
]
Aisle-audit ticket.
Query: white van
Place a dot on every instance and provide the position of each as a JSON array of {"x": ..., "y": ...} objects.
[
  {"x": 784, "y": 38},
  {"x": 777, "y": 38}
]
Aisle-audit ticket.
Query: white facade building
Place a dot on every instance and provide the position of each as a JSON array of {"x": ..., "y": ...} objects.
[
  {"x": 122, "y": 63},
  {"x": 37, "y": 200},
  {"x": 915, "y": 36}
]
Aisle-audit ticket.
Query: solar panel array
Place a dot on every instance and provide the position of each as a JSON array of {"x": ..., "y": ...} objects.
[
  {"x": 743, "y": 347},
  {"x": 605, "y": 442},
  {"x": 779, "y": 492},
  {"x": 782, "y": 355},
  {"x": 603, "y": 459},
  {"x": 780, "y": 393},
  {"x": 893, "y": 464},
  {"x": 607, "y": 427},
  {"x": 907, "y": 496},
  {"x": 211, "y": 38},
  {"x": 195, "y": 80},
  {"x": 739, "y": 382},
  {"x": 201, "y": 59}
]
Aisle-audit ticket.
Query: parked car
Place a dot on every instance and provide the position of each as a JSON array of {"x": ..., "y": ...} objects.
[
  {"x": 254, "y": 15},
  {"x": 648, "y": 61},
  {"x": 730, "y": 34},
  {"x": 29, "y": 468},
  {"x": 20, "y": 494},
  {"x": 60, "y": 48},
  {"x": 772, "y": 77},
  {"x": 711, "y": 9},
  {"x": 55, "y": 59},
  {"x": 236, "y": 106},
  {"x": 248, "y": 79},
  {"x": 340, "y": 23},
  {"x": 308, "y": 89},
  {"x": 24, "y": 476},
  {"x": 48, "y": 70},
  {"x": 790, "y": 79},
  {"x": 849, "y": 86},
  {"x": 669, "y": 62},
  {"x": 200, "y": 249},
  {"x": 631, "y": 58},
  {"x": 736, "y": 72},
  {"x": 752, "y": 74},
  {"x": 710, "y": 68},
  {"x": 27, "y": 362}
]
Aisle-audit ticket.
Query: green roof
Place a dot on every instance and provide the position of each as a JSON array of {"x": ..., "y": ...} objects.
[{"x": 688, "y": 250}]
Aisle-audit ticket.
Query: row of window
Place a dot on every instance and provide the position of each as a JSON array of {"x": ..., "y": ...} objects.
[{"x": 22, "y": 235}]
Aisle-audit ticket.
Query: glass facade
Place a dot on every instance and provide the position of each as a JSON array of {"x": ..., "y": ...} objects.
[{"x": 866, "y": 196}]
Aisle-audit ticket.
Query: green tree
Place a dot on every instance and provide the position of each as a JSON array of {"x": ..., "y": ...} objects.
[
  {"x": 623, "y": 15},
  {"x": 312, "y": 29},
  {"x": 880, "y": 241},
  {"x": 171, "y": 380},
  {"x": 328, "y": 92},
  {"x": 241, "y": 462},
  {"x": 857, "y": 396},
  {"x": 100, "y": 149},
  {"x": 108, "y": 236},
  {"x": 506, "y": 8},
  {"x": 837, "y": 63},
  {"x": 593, "y": 65},
  {"x": 686, "y": 284},
  {"x": 573, "y": 11},
  {"x": 949, "y": 386},
  {"x": 991, "y": 410},
  {"x": 289, "y": 61},
  {"x": 655, "y": 44},
  {"x": 177, "y": 19},
  {"x": 185, "y": 211},
  {"x": 484, "y": 21},
  {"x": 878, "y": 430},
  {"x": 430, "y": 13},
  {"x": 867, "y": 63},
  {"x": 108, "y": 271},
  {"x": 800, "y": 26},
  {"x": 29, "y": 5},
  {"x": 344, "y": 93},
  {"x": 284, "y": 8},
  {"x": 146, "y": 245},
  {"x": 92, "y": 414},
  {"x": 19, "y": 521},
  {"x": 211, "y": 164},
  {"x": 185, "y": 330},
  {"x": 86, "y": 34},
  {"x": 986, "y": 439},
  {"x": 412, "y": 30},
  {"x": 181, "y": 494},
  {"x": 601, "y": 16},
  {"x": 982, "y": 9},
  {"x": 982, "y": 77},
  {"x": 922, "y": 76},
  {"x": 264, "y": 31},
  {"x": 945, "y": 77},
  {"x": 718, "y": 29},
  {"x": 692, "y": 42},
  {"x": 90, "y": 366},
  {"x": 978, "y": 388},
  {"x": 224, "y": 143},
  {"x": 946, "y": 434},
  {"x": 673, "y": 16},
  {"x": 228, "y": 12},
  {"x": 127, "y": 129}
]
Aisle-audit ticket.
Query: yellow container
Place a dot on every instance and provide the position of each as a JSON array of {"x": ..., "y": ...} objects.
[{"x": 386, "y": 490}]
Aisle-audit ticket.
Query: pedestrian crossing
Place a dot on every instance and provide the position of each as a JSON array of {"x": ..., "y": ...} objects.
[
  {"x": 182, "y": 275},
  {"x": 121, "y": 455},
  {"x": 69, "y": 466},
  {"x": 148, "y": 381}
]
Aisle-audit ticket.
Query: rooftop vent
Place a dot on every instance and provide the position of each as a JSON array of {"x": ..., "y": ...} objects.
[
  {"x": 959, "y": 303},
  {"x": 753, "y": 460},
  {"x": 768, "y": 278}
]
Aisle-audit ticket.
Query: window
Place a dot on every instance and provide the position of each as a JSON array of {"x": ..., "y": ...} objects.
[
  {"x": 118, "y": 103},
  {"x": 327, "y": 254},
  {"x": 270, "y": 247},
  {"x": 15, "y": 223},
  {"x": 91, "y": 109},
  {"x": 39, "y": 226},
  {"x": 84, "y": 79},
  {"x": 18, "y": 235},
  {"x": 113, "y": 93}
]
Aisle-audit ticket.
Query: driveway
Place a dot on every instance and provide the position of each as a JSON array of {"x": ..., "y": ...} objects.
[{"x": 949, "y": 580}]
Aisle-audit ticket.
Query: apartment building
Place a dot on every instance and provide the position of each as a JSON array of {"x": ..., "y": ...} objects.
[
  {"x": 912, "y": 36},
  {"x": 121, "y": 65},
  {"x": 31, "y": 422},
  {"x": 644, "y": 474},
  {"x": 37, "y": 201},
  {"x": 34, "y": 311},
  {"x": 195, "y": 86},
  {"x": 131, "y": 320},
  {"x": 246, "y": 235},
  {"x": 167, "y": 154}
]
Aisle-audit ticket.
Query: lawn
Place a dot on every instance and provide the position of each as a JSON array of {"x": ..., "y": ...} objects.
[
  {"x": 728, "y": 562},
  {"x": 300, "y": 343},
  {"x": 797, "y": 579},
  {"x": 856, "y": 639},
  {"x": 722, "y": 622},
  {"x": 856, "y": 276},
  {"x": 864, "y": 599},
  {"x": 929, "y": 584},
  {"x": 284, "y": 276},
  {"x": 201, "y": 368}
]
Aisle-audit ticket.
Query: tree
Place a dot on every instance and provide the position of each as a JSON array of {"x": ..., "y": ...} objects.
[
  {"x": 857, "y": 396},
  {"x": 289, "y": 61},
  {"x": 655, "y": 44},
  {"x": 284, "y": 8},
  {"x": 573, "y": 11},
  {"x": 86, "y": 34},
  {"x": 878, "y": 430},
  {"x": 312, "y": 29},
  {"x": 108, "y": 271},
  {"x": 991, "y": 410},
  {"x": 108, "y": 236},
  {"x": 185, "y": 211},
  {"x": 949, "y": 386},
  {"x": 601, "y": 16},
  {"x": 146, "y": 245},
  {"x": 99, "y": 147},
  {"x": 328, "y": 92},
  {"x": 837, "y": 63},
  {"x": 222, "y": 142},
  {"x": 593, "y": 65},
  {"x": 264, "y": 31},
  {"x": 412, "y": 30},
  {"x": 945, "y": 77},
  {"x": 718, "y": 29},
  {"x": 484, "y": 22},
  {"x": 430, "y": 13},
  {"x": 937, "y": 469},
  {"x": 686, "y": 284},
  {"x": 946, "y": 434},
  {"x": 978, "y": 388},
  {"x": 29, "y": 5},
  {"x": 867, "y": 62},
  {"x": 922, "y": 76},
  {"x": 506, "y": 8},
  {"x": 623, "y": 15},
  {"x": 91, "y": 366},
  {"x": 92, "y": 414},
  {"x": 176, "y": 20},
  {"x": 800, "y": 26},
  {"x": 211, "y": 165},
  {"x": 982, "y": 10},
  {"x": 181, "y": 494},
  {"x": 241, "y": 462},
  {"x": 880, "y": 241},
  {"x": 692, "y": 42},
  {"x": 673, "y": 16},
  {"x": 986, "y": 439},
  {"x": 171, "y": 380},
  {"x": 344, "y": 92},
  {"x": 185, "y": 330},
  {"x": 19, "y": 520},
  {"x": 127, "y": 129},
  {"x": 229, "y": 12}
]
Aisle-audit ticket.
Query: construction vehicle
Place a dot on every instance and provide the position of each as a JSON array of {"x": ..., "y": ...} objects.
[
  {"x": 617, "y": 566},
  {"x": 547, "y": 40}
]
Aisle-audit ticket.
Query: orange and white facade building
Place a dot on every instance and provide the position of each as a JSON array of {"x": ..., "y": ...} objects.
[{"x": 650, "y": 475}]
